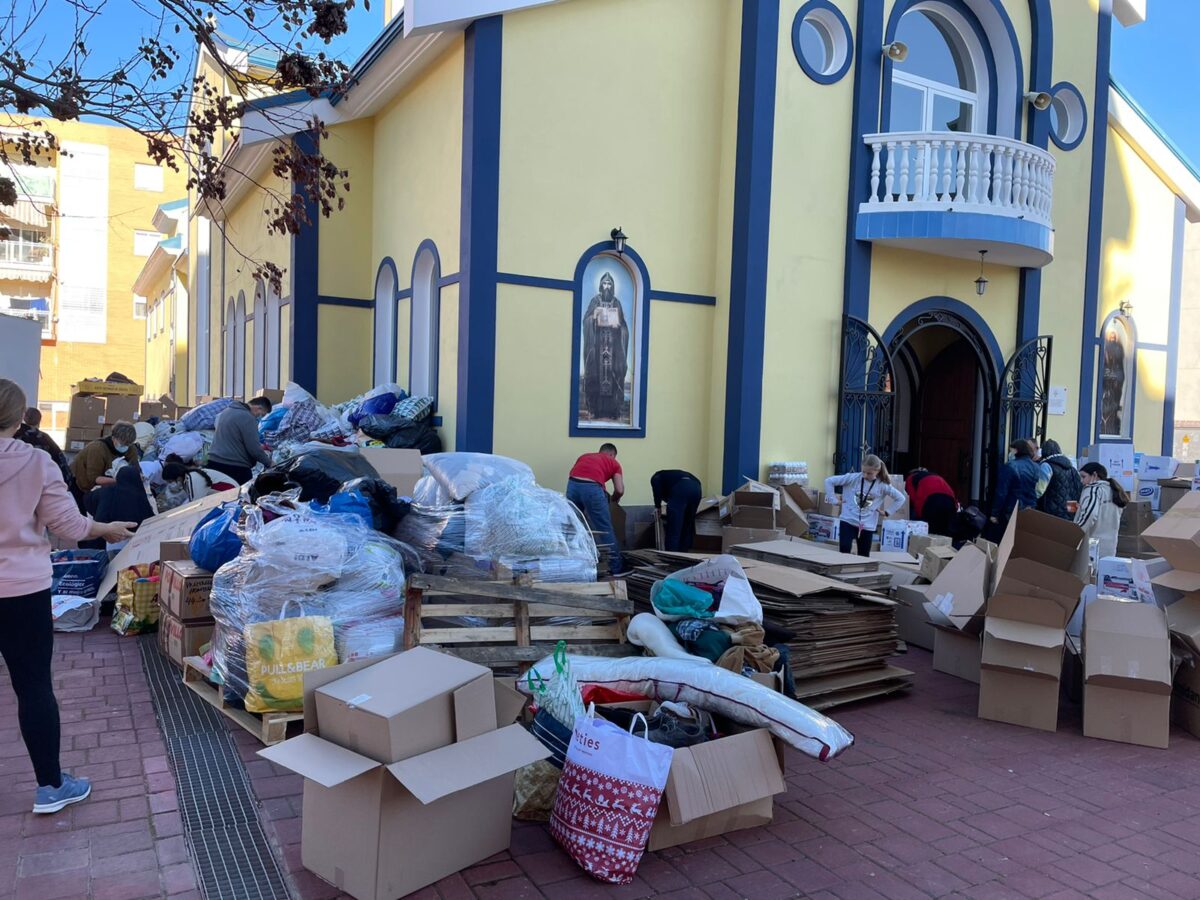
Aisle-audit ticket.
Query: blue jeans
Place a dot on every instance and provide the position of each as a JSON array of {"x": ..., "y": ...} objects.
[{"x": 593, "y": 501}]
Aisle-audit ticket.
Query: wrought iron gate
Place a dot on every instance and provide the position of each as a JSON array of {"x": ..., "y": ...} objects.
[
  {"x": 866, "y": 397},
  {"x": 1023, "y": 398}
]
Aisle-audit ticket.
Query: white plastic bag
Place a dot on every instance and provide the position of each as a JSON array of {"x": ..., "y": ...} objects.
[
  {"x": 73, "y": 613},
  {"x": 310, "y": 548},
  {"x": 738, "y": 603},
  {"x": 608, "y": 796}
]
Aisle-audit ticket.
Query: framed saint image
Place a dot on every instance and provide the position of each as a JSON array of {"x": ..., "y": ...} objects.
[
  {"x": 609, "y": 341},
  {"x": 1118, "y": 362}
]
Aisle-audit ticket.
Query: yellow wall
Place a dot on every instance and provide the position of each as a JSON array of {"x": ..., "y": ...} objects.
[
  {"x": 342, "y": 333},
  {"x": 346, "y": 260},
  {"x": 579, "y": 157},
  {"x": 129, "y": 210},
  {"x": 247, "y": 242},
  {"x": 1139, "y": 219}
]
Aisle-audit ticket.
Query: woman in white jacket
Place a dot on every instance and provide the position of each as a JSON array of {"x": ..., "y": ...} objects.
[
  {"x": 865, "y": 497},
  {"x": 1100, "y": 505}
]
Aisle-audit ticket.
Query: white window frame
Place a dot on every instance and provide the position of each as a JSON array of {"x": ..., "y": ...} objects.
[
  {"x": 145, "y": 304},
  {"x": 930, "y": 90},
  {"x": 144, "y": 171},
  {"x": 139, "y": 237}
]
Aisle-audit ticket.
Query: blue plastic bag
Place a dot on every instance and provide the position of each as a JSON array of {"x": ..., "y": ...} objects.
[
  {"x": 351, "y": 503},
  {"x": 78, "y": 572},
  {"x": 379, "y": 405},
  {"x": 270, "y": 422},
  {"x": 215, "y": 539}
]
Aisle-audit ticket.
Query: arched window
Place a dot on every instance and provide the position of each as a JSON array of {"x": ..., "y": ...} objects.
[
  {"x": 385, "y": 323},
  {"x": 230, "y": 348},
  {"x": 943, "y": 84},
  {"x": 258, "y": 344},
  {"x": 1117, "y": 376},
  {"x": 271, "y": 338},
  {"x": 426, "y": 312},
  {"x": 239, "y": 346}
]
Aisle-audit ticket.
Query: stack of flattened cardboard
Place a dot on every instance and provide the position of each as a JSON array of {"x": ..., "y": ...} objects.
[
  {"x": 1126, "y": 672},
  {"x": 862, "y": 572},
  {"x": 841, "y": 635},
  {"x": 408, "y": 770},
  {"x": 1041, "y": 569},
  {"x": 764, "y": 512}
]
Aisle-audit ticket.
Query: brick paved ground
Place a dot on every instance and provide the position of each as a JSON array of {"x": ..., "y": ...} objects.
[
  {"x": 930, "y": 802},
  {"x": 124, "y": 842}
]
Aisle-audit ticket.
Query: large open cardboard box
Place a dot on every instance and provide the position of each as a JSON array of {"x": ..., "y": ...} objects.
[
  {"x": 1126, "y": 673},
  {"x": 1177, "y": 534},
  {"x": 959, "y": 593},
  {"x": 380, "y": 830}
]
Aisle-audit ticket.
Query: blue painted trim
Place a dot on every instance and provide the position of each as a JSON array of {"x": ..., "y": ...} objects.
[
  {"x": 864, "y": 119},
  {"x": 968, "y": 314},
  {"x": 1173, "y": 316},
  {"x": 1037, "y": 130},
  {"x": 306, "y": 250},
  {"x": 447, "y": 280},
  {"x": 1154, "y": 348},
  {"x": 388, "y": 263},
  {"x": 1095, "y": 234},
  {"x": 286, "y": 99},
  {"x": 675, "y": 297},
  {"x": 551, "y": 284},
  {"x": 1154, "y": 126},
  {"x": 578, "y": 287},
  {"x": 819, "y": 77},
  {"x": 480, "y": 226},
  {"x": 437, "y": 421},
  {"x": 893, "y": 224},
  {"x": 436, "y": 318},
  {"x": 405, "y": 294},
  {"x": 1067, "y": 87},
  {"x": 903, "y": 6},
  {"x": 171, "y": 205},
  {"x": 356, "y": 302},
  {"x": 393, "y": 31},
  {"x": 1132, "y": 326},
  {"x": 751, "y": 237}
]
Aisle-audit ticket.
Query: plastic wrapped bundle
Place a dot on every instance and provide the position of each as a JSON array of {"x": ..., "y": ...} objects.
[
  {"x": 461, "y": 474},
  {"x": 303, "y": 572},
  {"x": 204, "y": 416}
]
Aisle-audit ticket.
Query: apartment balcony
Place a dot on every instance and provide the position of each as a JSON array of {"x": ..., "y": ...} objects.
[
  {"x": 957, "y": 194},
  {"x": 20, "y": 261}
]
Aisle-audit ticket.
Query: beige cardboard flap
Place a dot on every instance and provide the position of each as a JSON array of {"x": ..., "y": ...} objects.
[
  {"x": 400, "y": 468},
  {"x": 318, "y": 678},
  {"x": 1183, "y": 618},
  {"x": 1178, "y": 580},
  {"x": 722, "y": 774},
  {"x": 1127, "y": 645},
  {"x": 510, "y": 702},
  {"x": 475, "y": 708},
  {"x": 448, "y": 770},
  {"x": 318, "y": 760},
  {"x": 1034, "y": 579},
  {"x": 1024, "y": 633},
  {"x": 404, "y": 681}
]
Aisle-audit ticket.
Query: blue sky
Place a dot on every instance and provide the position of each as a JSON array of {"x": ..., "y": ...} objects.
[{"x": 1158, "y": 63}]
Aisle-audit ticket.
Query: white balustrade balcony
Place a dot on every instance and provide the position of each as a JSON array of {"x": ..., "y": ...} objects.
[{"x": 956, "y": 194}]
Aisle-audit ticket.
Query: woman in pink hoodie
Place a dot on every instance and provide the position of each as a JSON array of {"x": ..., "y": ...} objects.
[{"x": 33, "y": 498}]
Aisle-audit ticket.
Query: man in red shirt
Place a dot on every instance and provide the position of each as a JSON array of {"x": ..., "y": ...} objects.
[{"x": 585, "y": 488}]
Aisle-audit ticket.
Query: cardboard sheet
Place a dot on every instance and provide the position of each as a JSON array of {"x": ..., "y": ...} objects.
[{"x": 399, "y": 468}]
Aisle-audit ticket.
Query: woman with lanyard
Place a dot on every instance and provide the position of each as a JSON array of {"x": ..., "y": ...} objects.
[{"x": 865, "y": 497}]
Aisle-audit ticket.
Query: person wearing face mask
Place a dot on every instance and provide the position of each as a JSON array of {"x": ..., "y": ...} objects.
[
  {"x": 35, "y": 499},
  {"x": 1100, "y": 506},
  {"x": 865, "y": 498},
  {"x": 97, "y": 457}
]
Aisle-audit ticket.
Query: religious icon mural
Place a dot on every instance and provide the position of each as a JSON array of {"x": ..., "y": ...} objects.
[
  {"x": 609, "y": 346},
  {"x": 1116, "y": 378}
]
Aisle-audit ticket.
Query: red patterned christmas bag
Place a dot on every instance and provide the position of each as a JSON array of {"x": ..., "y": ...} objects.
[{"x": 608, "y": 797}]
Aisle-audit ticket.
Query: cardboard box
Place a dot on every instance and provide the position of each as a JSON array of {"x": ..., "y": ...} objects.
[
  {"x": 934, "y": 560},
  {"x": 919, "y": 543},
  {"x": 620, "y": 523},
  {"x": 717, "y": 787},
  {"x": 78, "y": 438},
  {"x": 1041, "y": 570},
  {"x": 956, "y": 598},
  {"x": 1149, "y": 492},
  {"x": 1176, "y": 536},
  {"x": 1172, "y": 586},
  {"x": 823, "y": 528},
  {"x": 150, "y": 409},
  {"x": 399, "y": 468},
  {"x": 807, "y": 499},
  {"x": 732, "y": 537},
  {"x": 447, "y": 700},
  {"x": 380, "y": 830},
  {"x": 1171, "y": 492},
  {"x": 86, "y": 412},
  {"x": 106, "y": 388},
  {"x": 956, "y": 652},
  {"x": 912, "y": 619},
  {"x": 1123, "y": 577},
  {"x": 1137, "y": 516},
  {"x": 1126, "y": 673},
  {"x": 1118, "y": 458},
  {"x": 272, "y": 394},
  {"x": 121, "y": 408},
  {"x": 896, "y": 533},
  {"x": 184, "y": 590},
  {"x": 1152, "y": 468},
  {"x": 829, "y": 504},
  {"x": 178, "y": 640},
  {"x": 753, "y": 509},
  {"x": 172, "y": 550},
  {"x": 1185, "y": 698}
]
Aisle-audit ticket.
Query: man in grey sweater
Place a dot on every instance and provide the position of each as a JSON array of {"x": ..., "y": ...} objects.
[{"x": 236, "y": 447}]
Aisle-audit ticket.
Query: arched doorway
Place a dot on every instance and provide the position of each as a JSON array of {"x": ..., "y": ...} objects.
[{"x": 946, "y": 377}]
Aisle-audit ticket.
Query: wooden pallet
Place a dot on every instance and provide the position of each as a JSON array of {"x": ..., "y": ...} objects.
[
  {"x": 270, "y": 728},
  {"x": 512, "y": 635}
]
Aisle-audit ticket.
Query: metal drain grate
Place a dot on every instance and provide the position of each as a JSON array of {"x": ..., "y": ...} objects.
[{"x": 233, "y": 856}]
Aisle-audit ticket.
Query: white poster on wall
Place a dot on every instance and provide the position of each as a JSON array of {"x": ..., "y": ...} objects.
[{"x": 1058, "y": 401}]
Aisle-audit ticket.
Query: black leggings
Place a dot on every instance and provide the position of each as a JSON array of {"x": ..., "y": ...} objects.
[
  {"x": 849, "y": 535},
  {"x": 27, "y": 645}
]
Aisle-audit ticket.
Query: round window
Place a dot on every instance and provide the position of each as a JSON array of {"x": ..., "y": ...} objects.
[
  {"x": 821, "y": 41},
  {"x": 1068, "y": 116}
]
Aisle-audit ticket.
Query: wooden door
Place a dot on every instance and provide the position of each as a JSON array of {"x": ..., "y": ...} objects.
[{"x": 946, "y": 419}]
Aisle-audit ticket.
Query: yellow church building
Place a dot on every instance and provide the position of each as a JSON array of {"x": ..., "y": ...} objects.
[{"x": 721, "y": 233}]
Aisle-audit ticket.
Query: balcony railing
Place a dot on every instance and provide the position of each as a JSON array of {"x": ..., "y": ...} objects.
[
  {"x": 26, "y": 255},
  {"x": 944, "y": 172}
]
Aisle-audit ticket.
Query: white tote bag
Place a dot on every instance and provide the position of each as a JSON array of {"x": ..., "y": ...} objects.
[{"x": 608, "y": 797}]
